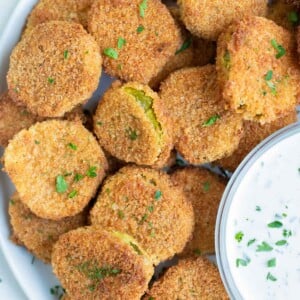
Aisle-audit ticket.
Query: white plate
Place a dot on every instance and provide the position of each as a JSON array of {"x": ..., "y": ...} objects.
[{"x": 35, "y": 278}]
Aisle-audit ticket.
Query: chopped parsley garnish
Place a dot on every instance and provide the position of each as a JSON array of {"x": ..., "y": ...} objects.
[
  {"x": 293, "y": 17},
  {"x": 151, "y": 208},
  {"x": 61, "y": 184},
  {"x": 157, "y": 195},
  {"x": 239, "y": 236},
  {"x": 142, "y": 8},
  {"x": 51, "y": 80},
  {"x": 111, "y": 52},
  {"x": 269, "y": 75},
  {"x": 258, "y": 208},
  {"x": 264, "y": 247},
  {"x": 136, "y": 248},
  {"x": 72, "y": 146},
  {"x": 242, "y": 262},
  {"x": 131, "y": 134},
  {"x": 250, "y": 242},
  {"x": 186, "y": 44},
  {"x": 91, "y": 172},
  {"x": 212, "y": 120},
  {"x": 279, "y": 48},
  {"x": 270, "y": 84},
  {"x": 78, "y": 177},
  {"x": 271, "y": 277},
  {"x": 121, "y": 214},
  {"x": 66, "y": 54},
  {"x": 281, "y": 243},
  {"x": 57, "y": 291},
  {"x": 121, "y": 43},
  {"x": 99, "y": 123},
  {"x": 12, "y": 202},
  {"x": 206, "y": 186},
  {"x": 143, "y": 219},
  {"x": 275, "y": 224},
  {"x": 140, "y": 29},
  {"x": 72, "y": 194},
  {"x": 197, "y": 252},
  {"x": 226, "y": 59},
  {"x": 286, "y": 233},
  {"x": 271, "y": 263},
  {"x": 37, "y": 142},
  {"x": 119, "y": 66}
]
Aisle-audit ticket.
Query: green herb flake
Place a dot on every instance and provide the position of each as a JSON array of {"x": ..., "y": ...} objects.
[
  {"x": 242, "y": 262},
  {"x": 111, "y": 52},
  {"x": 140, "y": 29},
  {"x": 264, "y": 247},
  {"x": 239, "y": 236},
  {"x": 284, "y": 215},
  {"x": 279, "y": 48},
  {"x": 61, "y": 184},
  {"x": 150, "y": 208},
  {"x": 281, "y": 243},
  {"x": 286, "y": 233},
  {"x": 250, "y": 242},
  {"x": 121, "y": 43},
  {"x": 275, "y": 224},
  {"x": 258, "y": 208},
  {"x": 206, "y": 186},
  {"x": 12, "y": 202},
  {"x": 120, "y": 67},
  {"x": 271, "y": 263},
  {"x": 197, "y": 252},
  {"x": 121, "y": 214},
  {"x": 78, "y": 177},
  {"x": 272, "y": 87},
  {"x": 72, "y": 146},
  {"x": 99, "y": 123},
  {"x": 226, "y": 59},
  {"x": 186, "y": 44},
  {"x": 51, "y": 80},
  {"x": 37, "y": 142},
  {"x": 212, "y": 120},
  {"x": 91, "y": 172},
  {"x": 72, "y": 194},
  {"x": 132, "y": 134},
  {"x": 271, "y": 277},
  {"x": 269, "y": 75},
  {"x": 143, "y": 7},
  {"x": 157, "y": 195},
  {"x": 136, "y": 248},
  {"x": 66, "y": 54},
  {"x": 151, "y": 298},
  {"x": 293, "y": 17}
]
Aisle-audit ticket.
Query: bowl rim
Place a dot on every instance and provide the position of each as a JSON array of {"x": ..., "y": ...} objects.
[{"x": 228, "y": 195}]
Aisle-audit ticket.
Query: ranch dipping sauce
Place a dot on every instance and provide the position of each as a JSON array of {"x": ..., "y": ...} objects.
[{"x": 258, "y": 226}]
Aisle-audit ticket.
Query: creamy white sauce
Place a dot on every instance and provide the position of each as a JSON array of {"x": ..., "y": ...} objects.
[{"x": 269, "y": 192}]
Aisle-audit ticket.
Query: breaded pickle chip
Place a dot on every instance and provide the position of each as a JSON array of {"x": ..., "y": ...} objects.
[
  {"x": 93, "y": 263},
  {"x": 59, "y": 10},
  {"x": 54, "y": 68},
  {"x": 254, "y": 133},
  {"x": 136, "y": 38},
  {"x": 285, "y": 15},
  {"x": 146, "y": 205},
  {"x": 13, "y": 118},
  {"x": 56, "y": 167},
  {"x": 36, "y": 234},
  {"x": 204, "y": 190},
  {"x": 203, "y": 130},
  {"x": 190, "y": 279},
  {"x": 131, "y": 125},
  {"x": 257, "y": 69},
  {"x": 207, "y": 19}
]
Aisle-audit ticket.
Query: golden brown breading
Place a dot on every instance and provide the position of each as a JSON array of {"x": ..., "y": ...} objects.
[
  {"x": 145, "y": 204},
  {"x": 190, "y": 279},
  {"x": 93, "y": 264},
  {"x": 36, "y": 234},
  {"x": 58, "y": 10},
  {"x": 54, "y": 68},
  {"x": 204, "y": 190},
  {"x": 202, "y": 130},
  {"x": 257, "y": 69},
  {"x": 207, "y": 19},
  {"x": 254, "y": 133},
  {"x": 13, "y": 118},
  {"x": 283, "y": 14},
  {"x": 137, "y": 41},
  {"x": 131, "y": 125},
  {"x": 56, "y": 167}
]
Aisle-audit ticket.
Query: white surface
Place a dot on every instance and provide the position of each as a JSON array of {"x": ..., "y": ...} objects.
[{"x": 273, "y": 184}]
